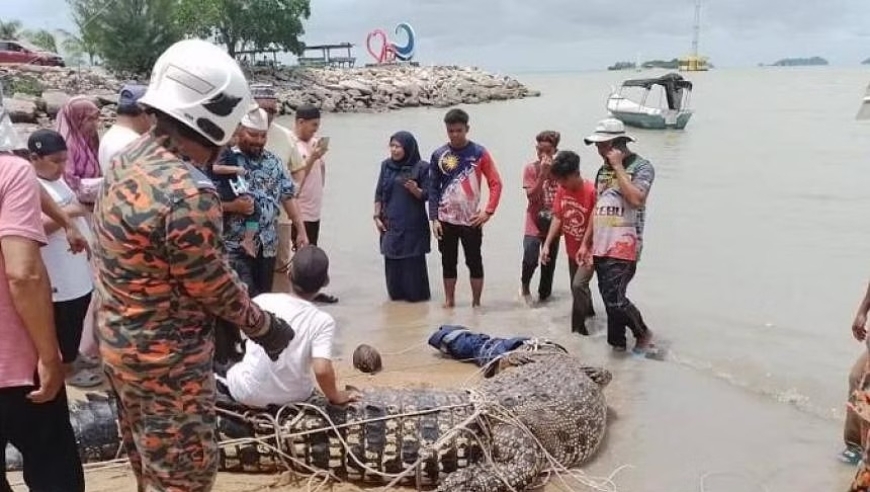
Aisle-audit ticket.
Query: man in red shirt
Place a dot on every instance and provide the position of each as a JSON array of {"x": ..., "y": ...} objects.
[
  {"x": 572, "y": 210},
  {"x": 540, "y": 190}
]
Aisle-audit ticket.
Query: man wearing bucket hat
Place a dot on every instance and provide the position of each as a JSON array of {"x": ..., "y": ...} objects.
[
  {"x": 163, "y": 276},
  {"x": 613, "y": 244}
]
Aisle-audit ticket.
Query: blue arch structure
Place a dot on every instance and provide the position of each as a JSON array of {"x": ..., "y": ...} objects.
[{"x": 405, "y": 53}]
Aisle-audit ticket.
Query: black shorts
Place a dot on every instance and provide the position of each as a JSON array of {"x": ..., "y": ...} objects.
[{"x": 69, "y": 319}]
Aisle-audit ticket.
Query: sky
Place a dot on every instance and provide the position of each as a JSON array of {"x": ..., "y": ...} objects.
[{"x": 554, "y": 35}]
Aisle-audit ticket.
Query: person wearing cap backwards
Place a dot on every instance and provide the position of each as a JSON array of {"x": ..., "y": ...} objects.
[
  {"x": 34, "y": 413},
  {"x": 163, "y": 277},
  {"x": 257, "y": 382},
  {"x": 613, "y": 243},
  {"x": 132, "y": 122},
  {"x": 70, "y": 273}
]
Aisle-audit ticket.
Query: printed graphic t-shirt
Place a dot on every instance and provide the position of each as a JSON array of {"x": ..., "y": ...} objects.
[
  {"x": 618, "y": 226},
  {"x": 455, "y": 183},
  {"x": 574, "y": 209}
]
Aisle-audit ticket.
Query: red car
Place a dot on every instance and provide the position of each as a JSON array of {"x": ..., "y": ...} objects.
[{"x": 21, "y": 52}]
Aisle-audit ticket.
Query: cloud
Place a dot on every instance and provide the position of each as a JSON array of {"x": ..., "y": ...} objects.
[{"x": 587, "y": 34}]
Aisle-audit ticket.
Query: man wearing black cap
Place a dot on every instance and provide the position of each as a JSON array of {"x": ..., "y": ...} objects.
[
  {"x": 255, "y": 380},
  {"x": 132, "y": 122}
]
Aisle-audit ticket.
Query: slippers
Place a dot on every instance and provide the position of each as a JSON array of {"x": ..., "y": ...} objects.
[
  {"x": 850, "y": 456},
  {"x": 86, "y": 362},
  {"x": 85, "y": 378}
]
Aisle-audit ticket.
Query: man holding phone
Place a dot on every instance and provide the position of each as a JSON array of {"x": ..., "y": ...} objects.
[{"x": 309, "y": 173}]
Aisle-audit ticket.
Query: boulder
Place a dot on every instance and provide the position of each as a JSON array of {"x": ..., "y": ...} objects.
[
  {"x": 21, "y": 110},
  {"x": 356, "y": 85},
  {"x": 54, "y": 101}
]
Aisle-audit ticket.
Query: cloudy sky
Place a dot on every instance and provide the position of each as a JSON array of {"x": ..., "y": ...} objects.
[{"x": 527, "y": 35}]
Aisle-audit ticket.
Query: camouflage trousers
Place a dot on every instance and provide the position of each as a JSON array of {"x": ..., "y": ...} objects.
[{"x": 168, "y": 427}]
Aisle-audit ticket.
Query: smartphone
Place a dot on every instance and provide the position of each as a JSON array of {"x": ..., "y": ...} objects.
[{"x": 323, "y": 143}]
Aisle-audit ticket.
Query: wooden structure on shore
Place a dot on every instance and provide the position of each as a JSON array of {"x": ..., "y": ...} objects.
[
  {"x": 249, "y": 58},
  {"x": 326, "y": 58}
]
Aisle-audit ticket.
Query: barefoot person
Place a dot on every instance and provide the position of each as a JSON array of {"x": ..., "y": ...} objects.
[
  {"x": 257, "y": 381},
  {"x": 856, "y": 428},
  {"x": 540, "y": 187},
  {"x": 34, "y": 413},
  {"x": 163, "y": 277},
  {"x": 622, "y": 185},
  {"x": 400, "y": 218},
  {"x": 456, "y": 171},
  {"x": 572, "y": 214}
]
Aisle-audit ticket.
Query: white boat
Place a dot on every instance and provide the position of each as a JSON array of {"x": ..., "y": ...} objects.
[{"x": 671, "y": 112}]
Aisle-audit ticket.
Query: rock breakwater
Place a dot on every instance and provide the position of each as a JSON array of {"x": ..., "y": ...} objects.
[{"x": 34, "y": 94}]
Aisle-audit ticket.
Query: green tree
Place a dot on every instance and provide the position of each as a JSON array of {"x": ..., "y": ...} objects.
[
  {"x": 41, "y": 38},
  {"x": 10, "y": 29},
  {"x": 128, "y": 35},
  {"x": 247, "y": 24},
  {"x": 84, "y": 42}
]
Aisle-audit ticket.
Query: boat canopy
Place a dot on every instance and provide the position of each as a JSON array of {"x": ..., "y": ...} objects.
[
  {"x": 670, "y": 82},
  {"x": 673, "y": 84}
]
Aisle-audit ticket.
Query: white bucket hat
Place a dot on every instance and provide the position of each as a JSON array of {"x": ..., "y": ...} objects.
[{"x": 607, "y": 130}]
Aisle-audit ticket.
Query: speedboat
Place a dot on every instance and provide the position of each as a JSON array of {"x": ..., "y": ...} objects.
[{"x": 672, "y": 110}]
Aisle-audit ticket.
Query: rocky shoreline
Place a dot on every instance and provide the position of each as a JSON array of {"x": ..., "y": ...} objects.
[{"x": 34, "y": 94}]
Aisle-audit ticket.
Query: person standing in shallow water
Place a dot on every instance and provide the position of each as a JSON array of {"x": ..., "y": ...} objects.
[
  {"x": 613, "y": 244},
  {"x": 540, "y": 190},
  {"x": 400, "y": 217},
  {"x": 456, "y": 171}
]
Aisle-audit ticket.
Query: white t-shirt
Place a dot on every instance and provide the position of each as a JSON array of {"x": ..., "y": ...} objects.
[
  {"x": 112, "y": 143},
  {"x": 258, "y": 381},
  {"x": 70, "y": 274}
]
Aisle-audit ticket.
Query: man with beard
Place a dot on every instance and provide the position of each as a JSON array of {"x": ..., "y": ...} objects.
[{"x": 264, "y": 188}]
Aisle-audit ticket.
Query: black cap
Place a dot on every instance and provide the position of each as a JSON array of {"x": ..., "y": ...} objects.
[
  {"x": 309, "y": 269},
  {"x": 45, "y": 142}
]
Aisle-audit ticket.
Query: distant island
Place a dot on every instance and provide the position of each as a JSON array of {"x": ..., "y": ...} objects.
[
  {"x": 624, "y": 65},
  {"x": 800, "y": 62},
  {"x": 866, "y": 62}
]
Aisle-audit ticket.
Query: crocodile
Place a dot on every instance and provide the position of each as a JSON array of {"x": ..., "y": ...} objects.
[{"x": 541, "y": 407}]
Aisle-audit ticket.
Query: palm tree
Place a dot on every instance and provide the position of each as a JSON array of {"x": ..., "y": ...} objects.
[
  {"x": 42, "y": 39},
  {"x": 10, "y": 29}
]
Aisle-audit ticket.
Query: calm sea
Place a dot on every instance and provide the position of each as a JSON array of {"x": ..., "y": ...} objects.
[{"x": 755, "y": 259}]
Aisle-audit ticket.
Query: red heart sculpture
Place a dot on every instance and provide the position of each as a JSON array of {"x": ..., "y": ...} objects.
[{"x": 381, "y": 54}]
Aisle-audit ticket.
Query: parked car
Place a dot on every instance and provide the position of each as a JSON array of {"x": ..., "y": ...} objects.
[{"x": 22, "y": 52}]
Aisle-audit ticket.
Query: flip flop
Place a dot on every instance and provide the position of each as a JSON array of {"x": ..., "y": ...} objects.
[
  {"x": 85, "y": 378},
  {"x": 850, "y": 456},
  {"x": 86, "y": 362}
]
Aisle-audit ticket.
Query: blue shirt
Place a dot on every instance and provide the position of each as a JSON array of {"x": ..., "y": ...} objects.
[{"x": 269, "y": 186}]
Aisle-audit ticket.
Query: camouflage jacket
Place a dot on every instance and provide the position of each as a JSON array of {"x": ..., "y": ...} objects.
[{"x": 162, "y": 273}]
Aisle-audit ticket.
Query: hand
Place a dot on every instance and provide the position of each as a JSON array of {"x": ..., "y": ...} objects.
[
  {"x": 584, "y": 256},
  {"x": 345, "y": 396},
  {"x": 77, "y": 242},
  {"x": 277, "y": 336},
  {"x": 245, "y": 205},
  {"x": 859, "y": 330},
  {"x": 318, "y": 151},
  {"x": 301, "y": 239},
  {"x": 74, "y": 210},
  {"x": 480, "y": 218},
  {"x": 545, "y": 254},
  {"x": 50, "y": 380},
  {"x": 412, "y": 187},
  {"x": 546, "y": 165},
  {"x": 615, "y": 158},
  {"x": 379, "y": 225},
  {"x": 240, "y": 171},
  {"x": 436, "y": 229}
]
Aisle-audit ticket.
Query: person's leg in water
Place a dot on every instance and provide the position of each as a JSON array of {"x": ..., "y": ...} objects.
[
  {"x": 545, "y": 283},
  {"x": 472, "y": 242},
  {"x": 531, "y": 258},
  {"x": 854, "y": 428},
  {"x": 581, "y": 307},
  {"x": 614, "y": 276},
  {"x": 448, "y": 246}
]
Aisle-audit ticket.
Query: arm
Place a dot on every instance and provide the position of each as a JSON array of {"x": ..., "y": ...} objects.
[
  {"x": 60, "y": 217},
  {"x": 287, "y": 190},
  {"x": 493, "y": 181},
  {"x": 423, "y": 179},
  {"x": 555, "y": 230},
  {"x": 434, "y": 187},
  {"x": 635, "y": 189},
  {"x": 321, "y": 364},
  {"x": 21, "y": 236},
  {"x": 325, "y": 376},
  {"x": 193, "y": 235},
  {"x": 534, "y": 186}
]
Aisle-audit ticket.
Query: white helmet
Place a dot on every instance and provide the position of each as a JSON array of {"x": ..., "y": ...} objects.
[{"x": 200, "y": 85}]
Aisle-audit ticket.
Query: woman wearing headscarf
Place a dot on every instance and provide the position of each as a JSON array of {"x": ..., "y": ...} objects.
[
  {"x": 77, "y": 122},
  {"x": 400, "y": 216}
]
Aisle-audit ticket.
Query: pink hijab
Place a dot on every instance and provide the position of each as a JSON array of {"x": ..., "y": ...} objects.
[{"x": 83, "y": 147}]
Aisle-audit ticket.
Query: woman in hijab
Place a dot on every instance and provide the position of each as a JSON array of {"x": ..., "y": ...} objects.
[
  {"x": 400, "y": 217},
  {"x": 77, "y": 122}
]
